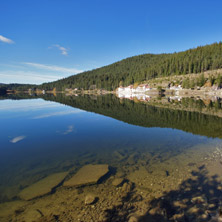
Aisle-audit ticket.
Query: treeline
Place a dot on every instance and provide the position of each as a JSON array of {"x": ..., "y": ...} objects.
[
  {"x": 20, "y": 87},
  {"x": 144, "y": 67}
]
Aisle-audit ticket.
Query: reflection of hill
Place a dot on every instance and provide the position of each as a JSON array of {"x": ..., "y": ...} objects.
[
  {"x": 142, "y": 114},
  {"x": 211, "y": 106},
  {"x": 146, "y": 115}
]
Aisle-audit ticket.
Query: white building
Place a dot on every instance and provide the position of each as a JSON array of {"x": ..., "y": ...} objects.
[
  {"x": 179, "y": 87},
  {"x": 142, "y": 88},
  {"x": 130, "y": 89},
  {"x": 130, "y": 92}
]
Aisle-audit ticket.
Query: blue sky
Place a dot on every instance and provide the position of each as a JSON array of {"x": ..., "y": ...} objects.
[{"x": 46, "y": 40}]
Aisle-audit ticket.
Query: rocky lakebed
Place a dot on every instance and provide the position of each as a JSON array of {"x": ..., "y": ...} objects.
[{"x": 183, "y": 187}]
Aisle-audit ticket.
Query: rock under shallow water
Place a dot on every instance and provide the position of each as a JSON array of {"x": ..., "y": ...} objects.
[
  {"x": 90, "y": 199},
  {"x": 133, "y": 218},
  {"x": 8, "y": 208},
  {"x": 89, "y": 174},
  {"x": 117, "y": 182},
  {"x": 43, "y": 186},
  {"x": 127, "y": 187}
]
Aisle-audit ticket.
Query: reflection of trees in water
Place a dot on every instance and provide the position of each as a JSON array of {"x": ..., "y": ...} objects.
[
  {"x": 2, "y": 90},
  {"x": 145, "y": 115},
  {"x": 197, "y": 199}
]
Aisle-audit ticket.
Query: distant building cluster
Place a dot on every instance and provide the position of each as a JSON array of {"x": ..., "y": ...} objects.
[
  {"x": 179, "y": 87},
  {"x": 131, "y": 89},
  {"x": 131, "y": 92}
]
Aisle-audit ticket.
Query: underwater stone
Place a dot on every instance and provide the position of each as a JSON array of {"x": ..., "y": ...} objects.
[
  {"x": 90, "y": 199},
  {"x": 127, "y": 187},
  {"x": 42, "y": 187},
  {"x": 88, "y": 174},
  {"x": 133, "y": 218},
  {"x": 117, "y": 182}
]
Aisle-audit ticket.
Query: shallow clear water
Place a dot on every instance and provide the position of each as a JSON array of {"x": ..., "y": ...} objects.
[{"x": 40, "y": 137}]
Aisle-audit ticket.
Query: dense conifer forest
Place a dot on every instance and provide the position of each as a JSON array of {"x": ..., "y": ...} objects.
[
  {"x": 15, "y": 86},
  {"x": 144, "y": 67}
]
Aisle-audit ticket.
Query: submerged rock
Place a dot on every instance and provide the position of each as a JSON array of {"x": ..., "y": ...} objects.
[
  {"x": 119, "y": 155},
  {"x": 8, "y": 208},
  {"x": 133, "y": 218},
  {"x": 117, "y": 182},
  {"x": 127, "y": 187},
  {"x": 43, "y": 186},
  {"x": 90, "y": 199},
  {"x": 89, "y": 174}
]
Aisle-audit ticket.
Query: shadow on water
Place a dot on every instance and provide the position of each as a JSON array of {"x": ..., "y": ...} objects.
[{"x": 197, "y": 199}]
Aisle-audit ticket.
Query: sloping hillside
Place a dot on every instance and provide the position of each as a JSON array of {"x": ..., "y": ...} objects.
[{"x": 145, "y": 67}]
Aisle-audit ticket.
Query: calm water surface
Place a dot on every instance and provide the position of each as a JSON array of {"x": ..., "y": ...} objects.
[{"x": 40, "y": 137}]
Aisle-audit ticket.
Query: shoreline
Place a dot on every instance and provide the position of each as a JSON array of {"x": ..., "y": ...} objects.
[{"x": 154, "y": 91}]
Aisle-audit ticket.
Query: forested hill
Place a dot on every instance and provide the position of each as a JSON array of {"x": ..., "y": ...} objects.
[
  {"x": 15, "y": 86},
  {"x": 144, "y": 67}
]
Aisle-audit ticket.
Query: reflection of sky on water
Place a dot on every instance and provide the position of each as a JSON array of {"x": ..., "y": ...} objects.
[
  {"x": 40, "y": 136},
  {"x": 69, "y": 130},
  {"x": 33, "y": 108},
  {"x": 17, "y": 139},
  {"x": 25, "y": 105},
  {"x": 61, "y": 113},
  {"x": 30, "y": 120}
]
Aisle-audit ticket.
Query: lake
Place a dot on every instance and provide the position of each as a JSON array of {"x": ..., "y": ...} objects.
[{"x": 167, "y": 151}]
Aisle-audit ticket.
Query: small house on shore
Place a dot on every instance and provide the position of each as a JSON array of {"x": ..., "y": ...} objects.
[{"x": 142, "y": 88}]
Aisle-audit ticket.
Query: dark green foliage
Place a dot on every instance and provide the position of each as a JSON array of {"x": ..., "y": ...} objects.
[
  {"x": 145, "y": 67},
  {"x": 2, "y": 89},
  {"x": 15, "y": 86},
  {"x": 201, "y": 80},
  {"x": 212, "y": 80},
  {"x": 192, "y": 83},
  {"x": 218, "y": 80},
  {"x": 186, "y": 83}
]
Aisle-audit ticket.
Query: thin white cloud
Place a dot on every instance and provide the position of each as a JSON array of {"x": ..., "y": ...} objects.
[
  {"x": 61, "y": 113},
  {"x": 63, "y": 50},
  {"x": 53, "y": 68},
  {"x": 26, "y": 77},
  {"x": 17, "y": 139},
  {"x": 6, "y": 40},
  {"x": 34, "y": 73}
]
